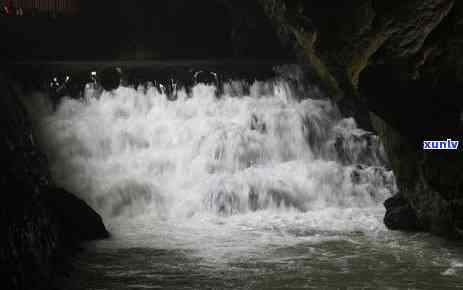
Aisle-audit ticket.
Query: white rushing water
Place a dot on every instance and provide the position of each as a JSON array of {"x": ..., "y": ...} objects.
[
  {"x": 209, "y": 166},
  {"x": 254, "y": 190}
]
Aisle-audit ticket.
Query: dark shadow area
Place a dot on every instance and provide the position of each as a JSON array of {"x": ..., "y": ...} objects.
[{"x": 109, "y": 30}]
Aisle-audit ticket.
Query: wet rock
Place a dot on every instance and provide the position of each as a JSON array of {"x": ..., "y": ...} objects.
[
  {"x": 400, "y": 64},
  {"x": 205, "y": 77},
  {"x": 29, "y": 242},
  {"x": 258, "y": 125},
  {"x": 400, "y": 215},
  {"x": 430, "y": 182},
  {"x": 110, "y": 78},
  {"x": 286, "y": 199},
  {"x": 77, "y": 221},
  {"x": 38, "y": 232},
  {"x": 409, "y": 24}
]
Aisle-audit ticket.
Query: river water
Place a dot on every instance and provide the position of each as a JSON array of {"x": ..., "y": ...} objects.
[{"x": 243, "y": 189}]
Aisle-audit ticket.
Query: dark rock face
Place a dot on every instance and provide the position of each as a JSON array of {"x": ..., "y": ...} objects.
[
  {"x": 397, "y": 63},
  {"x": 399, "y": 215},
  {"x": 77, "y": 221},
  {"x": 28, "y": 239},
  {"x": 430, "y": 181},
  {"x": 34, "y": 246},
  {"x": 110, "y": 78},
  {"x": 408, "y": 24}
]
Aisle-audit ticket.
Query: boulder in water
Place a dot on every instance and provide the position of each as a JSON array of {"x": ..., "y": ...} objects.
[
  {"x": 77, "y": 221},
  {"x": 400, "y": 215}
]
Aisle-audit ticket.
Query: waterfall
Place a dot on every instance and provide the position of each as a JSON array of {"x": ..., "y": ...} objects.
[{"x": 138, "y": 152}]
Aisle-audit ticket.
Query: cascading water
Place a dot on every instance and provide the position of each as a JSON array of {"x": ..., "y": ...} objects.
[
  {"x": 134, "y": 152},
  {"x": 232, "y": 187}
]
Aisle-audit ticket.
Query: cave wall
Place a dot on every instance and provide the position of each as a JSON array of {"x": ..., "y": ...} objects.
[
  {"x": 41, "y": 225},
  {"x": 29, "y": 241},
  {"x": 397, "y": 67}
]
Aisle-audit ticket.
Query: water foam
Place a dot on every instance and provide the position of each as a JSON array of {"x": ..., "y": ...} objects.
[{"x": 133, "y": 152}]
